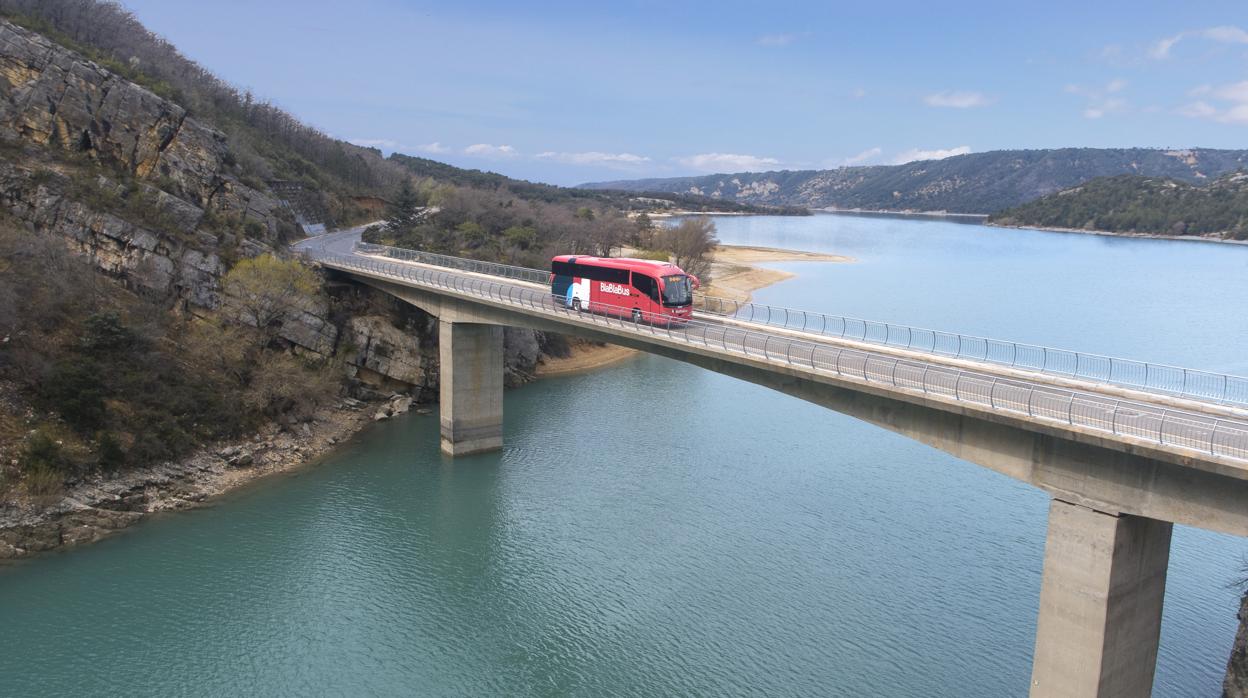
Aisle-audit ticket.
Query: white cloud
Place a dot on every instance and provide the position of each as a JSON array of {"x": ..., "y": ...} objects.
[
  {"x": 1237, "y": 92},
  {"x": 958, "y": 100},
  {"x": 1100, "y": 98},
  {"x": 486, "y": 150},
  {"x": 777, "y": 39},
  {"x": 939, "y": 154},
  {"x": 434, "y": 147},
  {"x": 865, "y": 156},
  {"x": 1199, "y": 110},
  {"x": 728, "y": 162},
  {"x": 1231, "y": 105},
  {"x": 1224, "y": 34},
  {"x": 382, "y": 143},
  {"x": 1105, "y": 106},
  {"x": 593, "y": 157},
  {"x": 857, "y": 93}
]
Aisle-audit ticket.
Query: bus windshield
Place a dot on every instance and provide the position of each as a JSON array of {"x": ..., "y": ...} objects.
[{"x": 676, "y": 290}]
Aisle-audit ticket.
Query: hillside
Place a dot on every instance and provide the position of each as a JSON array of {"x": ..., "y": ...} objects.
[
  {"x": 138, "y": 237},
  {"x": 549, "y": 193},
  {"x": 1142, "y": 205},
  {"x": 975, "y": 183}
]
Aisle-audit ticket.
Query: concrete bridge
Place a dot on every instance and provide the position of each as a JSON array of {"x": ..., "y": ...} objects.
[{"x": 1125, "y": 449}]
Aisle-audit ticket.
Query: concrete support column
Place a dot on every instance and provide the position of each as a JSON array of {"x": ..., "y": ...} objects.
[
  {"x": 471, "y": 381},
  {"x": 1100, "y": 604}
]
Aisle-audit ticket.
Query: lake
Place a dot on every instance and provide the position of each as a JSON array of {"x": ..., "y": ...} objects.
[{"x": 656, "y": 529}]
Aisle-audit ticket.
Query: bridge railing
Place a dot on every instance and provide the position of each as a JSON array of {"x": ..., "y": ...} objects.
[
  {"x": 1147, "y": 423},
  {"x": 1142, "y": 375},
  {"x": 506, "y": 271},
  {"x": 1161, "y": 378}
]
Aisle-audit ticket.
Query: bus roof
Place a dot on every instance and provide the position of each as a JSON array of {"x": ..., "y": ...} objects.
[{"x": 645, "y": 266}]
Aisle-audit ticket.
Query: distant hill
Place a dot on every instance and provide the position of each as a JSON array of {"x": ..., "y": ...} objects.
[
  {"x": 974, "y": 183},
  {"x": 551, "y": 194},
  {"x": 1135, "y": 204}
]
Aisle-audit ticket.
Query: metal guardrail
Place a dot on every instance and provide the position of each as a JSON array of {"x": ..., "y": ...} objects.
[
  {"x": 471, "y": 265},
  {"x": 1171, "y": 380},
  {"x": 1149, "y": 423},
  {"x": 1160, "y": 378}
]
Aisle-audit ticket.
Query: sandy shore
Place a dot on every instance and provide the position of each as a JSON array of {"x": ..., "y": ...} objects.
[
  {"x": 733, "y": 275},
  {"x": 583, "y": 357}
]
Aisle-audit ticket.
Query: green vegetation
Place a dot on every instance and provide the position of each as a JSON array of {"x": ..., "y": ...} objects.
[
  {"x": 119, "y": 382},
  {"x": 1133, "y": 204}
]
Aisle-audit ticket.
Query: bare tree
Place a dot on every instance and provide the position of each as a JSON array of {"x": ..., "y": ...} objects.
[
  {"x": 266, "y": 291},
  {"x": 691, "y": 242}
]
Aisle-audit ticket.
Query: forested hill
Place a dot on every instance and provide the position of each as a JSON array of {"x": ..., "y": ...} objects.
[
  {"x": 549, "y": 193},
  {"x": 974, "y": 183},
  {"x": 1145, "y": 205}
]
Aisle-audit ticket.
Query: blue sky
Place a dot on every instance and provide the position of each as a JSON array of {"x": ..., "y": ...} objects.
[{"x": 567, "y": 92}]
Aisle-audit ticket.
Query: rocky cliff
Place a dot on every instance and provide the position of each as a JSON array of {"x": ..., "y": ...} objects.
[
  {"x": 52, "y": 96},
  {"x": 131, "y": 181}
]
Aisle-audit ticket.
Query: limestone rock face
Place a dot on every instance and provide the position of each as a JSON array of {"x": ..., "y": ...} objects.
[
  {"x": 379, "y": 346},
  {"x": 55, "y": 97},
  {"x": 145, "y": 260},
  {"x": 521, "y": 352},
  {"x": 55, "y": 101}
]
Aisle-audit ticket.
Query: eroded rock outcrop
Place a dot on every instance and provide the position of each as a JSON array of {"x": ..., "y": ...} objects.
[
  {"x": 149, "y": 261},
  {"x": 54, "y": 97},
  {"x": 54, "y": 102}
]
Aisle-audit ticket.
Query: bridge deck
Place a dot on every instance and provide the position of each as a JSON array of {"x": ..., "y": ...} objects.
[{"x": 1212, "y": 434}]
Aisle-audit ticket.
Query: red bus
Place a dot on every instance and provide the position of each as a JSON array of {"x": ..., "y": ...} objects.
[{"x": 641, "y": 288}]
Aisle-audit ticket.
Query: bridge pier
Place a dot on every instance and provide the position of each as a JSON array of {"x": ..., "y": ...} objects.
[
  {"x": 471, "y": 387},
  {"x": 1100, "y": 603}
]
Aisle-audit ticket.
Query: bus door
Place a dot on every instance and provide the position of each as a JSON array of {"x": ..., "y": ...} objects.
[{"x": 648, "y": 290}]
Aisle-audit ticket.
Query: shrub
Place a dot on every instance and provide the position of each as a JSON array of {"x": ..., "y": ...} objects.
[
  {"x": 76, "y": 390},
  {"x": 111, "y": 455},
  {"x": 44, "y": 482}
]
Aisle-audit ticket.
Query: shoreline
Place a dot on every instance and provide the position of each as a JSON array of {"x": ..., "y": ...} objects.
[
  {"x": 735, "y": 276},
  {"x": 908, "y": 214},
  {"x": 1112, "y": 234},
  {"x": 101, "y": 505}
]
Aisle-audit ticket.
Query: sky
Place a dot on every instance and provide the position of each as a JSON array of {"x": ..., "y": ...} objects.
[{"x": 570, "y": 92}]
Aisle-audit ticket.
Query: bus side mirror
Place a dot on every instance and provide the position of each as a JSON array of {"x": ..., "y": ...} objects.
[{"x": 696, "y": 283}]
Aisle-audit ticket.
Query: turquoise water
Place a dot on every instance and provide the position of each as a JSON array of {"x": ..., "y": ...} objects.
[{"x": 655, "y": 529}]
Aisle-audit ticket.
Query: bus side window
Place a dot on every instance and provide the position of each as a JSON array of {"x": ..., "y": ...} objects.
[{"x": 646, "y": 286}]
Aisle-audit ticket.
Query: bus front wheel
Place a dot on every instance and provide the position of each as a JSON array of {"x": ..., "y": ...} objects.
[
  {"x": 576, "y": 304},
  {"x": 636, "y": 315}
]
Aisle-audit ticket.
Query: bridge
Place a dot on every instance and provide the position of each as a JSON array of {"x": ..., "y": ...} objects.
[{"x": 1125, "y": 448}]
